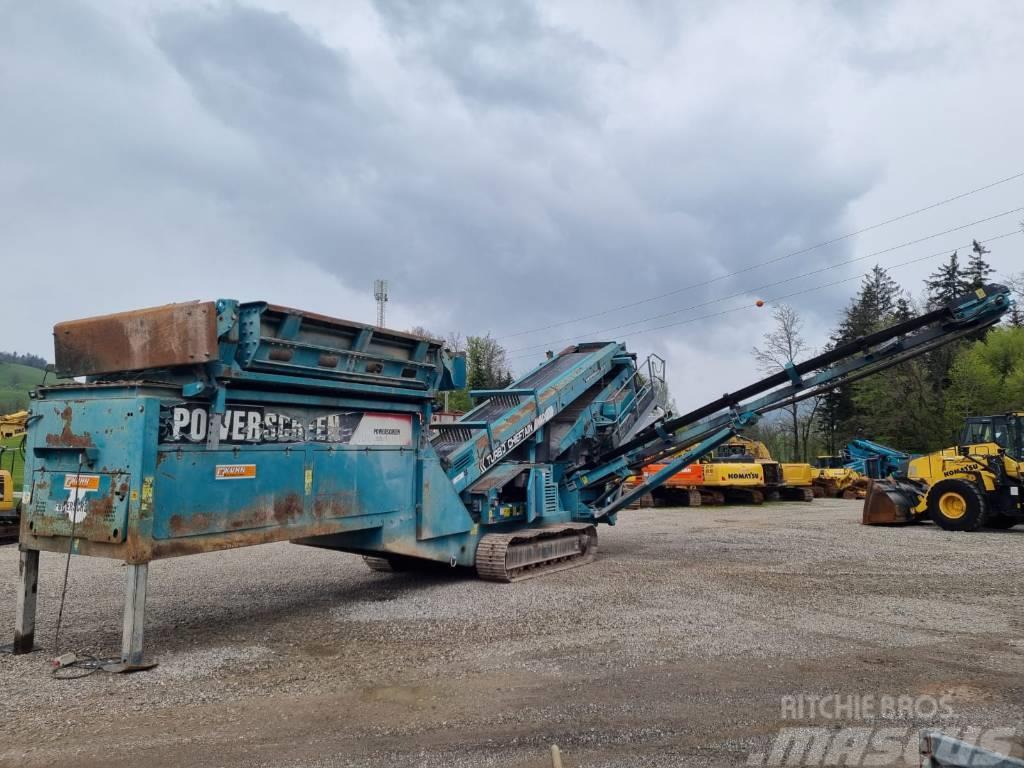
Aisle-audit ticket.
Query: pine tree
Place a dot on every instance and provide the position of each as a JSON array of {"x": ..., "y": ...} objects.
[
  {"x": 978, "y": 269},
  {"x": 1015, "y": 319},
  {"x": 879, "y": 302},
  {"x": 832, "y": 410},
  {"x": 904, "y": 310},
  {"x": 1016, "y": 316},
  {"x": 947, "y": 282},
  {"x": 872, "y": 307}
]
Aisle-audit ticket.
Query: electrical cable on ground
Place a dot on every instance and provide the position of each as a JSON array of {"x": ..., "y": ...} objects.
[{"x": 83, "y": 664}]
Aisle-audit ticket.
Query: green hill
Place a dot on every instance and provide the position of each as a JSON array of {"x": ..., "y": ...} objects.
[
  {"x": 11, "y": 457},
  {"x": 16, "y": 381}
]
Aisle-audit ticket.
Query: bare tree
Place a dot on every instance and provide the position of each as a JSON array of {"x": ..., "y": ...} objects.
[
  {"x": 455, "y": 342},
  {"x": 1016, "y": 284},
  {"x": 782, "y": 346}
]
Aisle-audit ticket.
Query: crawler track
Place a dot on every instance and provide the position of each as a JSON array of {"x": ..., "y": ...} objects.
[{"x": 535, "y": 552}]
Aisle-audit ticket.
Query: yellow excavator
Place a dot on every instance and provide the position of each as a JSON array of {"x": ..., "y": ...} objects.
[
  {"x": 790, "y": 481},
  {"x": 740, "y": 471},
  {"x": 977, "y": 483}
]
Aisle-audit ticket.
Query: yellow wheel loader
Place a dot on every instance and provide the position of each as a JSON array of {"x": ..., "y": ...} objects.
[{"x": 978, "y": 483}]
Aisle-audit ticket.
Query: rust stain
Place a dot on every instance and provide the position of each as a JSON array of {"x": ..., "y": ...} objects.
[
  {"x": 183, "y": 526},
  {"x": 282, "y": 355},
  {"x": 142, "y": 549},
  {"x": 101, "y": 507},
  {"x": 328, "y": 361},
  {"x": 176, "y": 334},
  {"x": 152, "y": 550},
  {"x": 67, "y": 437},
  {"x": 339, "y": 504},
  {"x": 283, "y": 510},
  {"x": 287, "y": 508}
]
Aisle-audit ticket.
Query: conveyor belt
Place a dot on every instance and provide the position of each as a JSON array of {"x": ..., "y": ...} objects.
[
  {"x": 494, "y": 408},
  {"x": 948, "y": 316}
]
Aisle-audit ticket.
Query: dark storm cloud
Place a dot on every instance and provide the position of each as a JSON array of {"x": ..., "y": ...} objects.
[
  {"x": 498, "y": 55},
  {"x": 270, "y": 80},
  {"x": 516, "y": 202},
  {"x": 505, "y": 166}
]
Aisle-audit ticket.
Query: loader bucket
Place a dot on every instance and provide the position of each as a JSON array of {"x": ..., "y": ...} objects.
[{"x": 889, "y": 502}]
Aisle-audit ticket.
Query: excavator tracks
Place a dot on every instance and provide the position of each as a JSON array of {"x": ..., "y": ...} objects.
[{"x": 535, "y": 551}]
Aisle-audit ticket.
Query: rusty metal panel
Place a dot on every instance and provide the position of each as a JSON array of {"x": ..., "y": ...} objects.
[
  {"x": 90, "y": 505},
  {"x": 160, "y": 337}
]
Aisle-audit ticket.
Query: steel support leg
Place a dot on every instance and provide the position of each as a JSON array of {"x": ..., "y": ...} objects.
[
  {"x": 134, "y": 613},
  {"x": 25, "y": 612}
]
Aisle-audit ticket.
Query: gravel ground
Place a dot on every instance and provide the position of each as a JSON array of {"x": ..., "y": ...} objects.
[{"x": 675, "y": 647}]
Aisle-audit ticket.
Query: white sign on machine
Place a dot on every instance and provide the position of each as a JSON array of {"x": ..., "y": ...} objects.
[
  {"x": 78, "y": 487},
  {"x": 244, "y": 424}
]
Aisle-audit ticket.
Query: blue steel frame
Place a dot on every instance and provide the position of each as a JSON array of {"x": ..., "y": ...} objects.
[{"x": 103, "y": 478}]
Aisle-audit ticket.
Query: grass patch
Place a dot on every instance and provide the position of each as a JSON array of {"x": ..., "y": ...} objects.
[{"x": 12, "y": 453}]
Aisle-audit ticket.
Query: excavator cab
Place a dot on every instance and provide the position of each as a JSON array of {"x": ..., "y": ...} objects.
[{"x": 734, "y": 452}]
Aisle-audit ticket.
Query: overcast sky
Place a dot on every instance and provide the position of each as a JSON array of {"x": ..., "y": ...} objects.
[{"x": 506, "y": 166}]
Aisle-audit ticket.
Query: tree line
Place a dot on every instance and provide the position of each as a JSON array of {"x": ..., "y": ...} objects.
[
  {"x": 916, "y": 406},
  {"x": 32, "y": 361}
]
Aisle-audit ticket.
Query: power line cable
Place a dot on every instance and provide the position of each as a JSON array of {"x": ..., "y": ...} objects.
[
  {"x": 836, "y": 265},
  {"x": 768, "y": 262},
  {"x": 811, "y": 289}
]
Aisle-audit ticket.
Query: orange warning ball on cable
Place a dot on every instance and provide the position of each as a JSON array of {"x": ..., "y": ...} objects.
[{"x": 760, "y": 302}]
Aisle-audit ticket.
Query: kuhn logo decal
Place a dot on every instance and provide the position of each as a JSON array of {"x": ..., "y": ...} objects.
[
  {"x": 82, "y": 482},
  {"x": 235, "y": 472}
]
